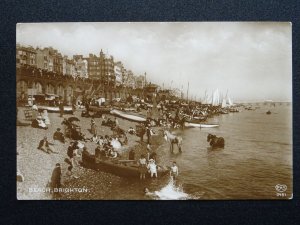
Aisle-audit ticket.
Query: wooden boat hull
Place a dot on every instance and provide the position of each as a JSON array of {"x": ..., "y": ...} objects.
[
  {"x": 200, "y": 125},
  {"x": 101, "y": 109},
  {"x": 67, "y": 109},
  {"x": 118, "y": 169},
  {"x": 129, "y": 116}
]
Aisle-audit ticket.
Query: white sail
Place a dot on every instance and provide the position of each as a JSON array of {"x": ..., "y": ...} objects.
[
  {"x": 208, "y": 100},
  {"x": 230, "y": 103},
  {"x": 216, "y": 98},
  {"x": 224, "y": 105}
]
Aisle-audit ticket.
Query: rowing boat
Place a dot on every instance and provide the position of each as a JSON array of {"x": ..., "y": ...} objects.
[
  {"x": 101, "y": 109},
  {"x": 67, "y": 109},
  {"x": 119, "y": 168},
  {"x": 128, "y": 115},
  {"x": 200, "y": 125}
]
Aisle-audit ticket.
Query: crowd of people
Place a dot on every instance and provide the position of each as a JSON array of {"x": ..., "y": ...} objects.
[{"x": 106, "y": 146}]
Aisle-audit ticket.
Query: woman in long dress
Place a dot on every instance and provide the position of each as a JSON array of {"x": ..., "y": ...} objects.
[
  {"x": 46, "y": 117},
  {"x": 93, "y": 127}
]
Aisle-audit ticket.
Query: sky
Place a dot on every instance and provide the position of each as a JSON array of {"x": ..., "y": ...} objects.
[{"x": 251, "y": 61}]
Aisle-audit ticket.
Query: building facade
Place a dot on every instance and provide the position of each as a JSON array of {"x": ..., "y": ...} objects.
[
  {"x": 129, "y": 80},
  {"x": 81, "y": 66},
  {"x": 140, "y": 81},
  {"x": 25, "y": 55},
  {"x": 107, "y": 73},
  {"x": 49, "y": 59},
  {"x": 42, "y": 58},
  {"x": 57, "y": 62},
  {"x": 94, "y": 67},
  {"x": 118, "y": 73}
]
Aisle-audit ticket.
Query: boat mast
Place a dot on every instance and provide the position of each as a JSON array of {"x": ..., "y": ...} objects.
[{"x": 187, "y": 92}]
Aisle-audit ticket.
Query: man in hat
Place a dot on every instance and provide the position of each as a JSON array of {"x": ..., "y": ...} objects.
[
  {"x": 44, "y": 145},
  {"x": 58, "y": 135}
]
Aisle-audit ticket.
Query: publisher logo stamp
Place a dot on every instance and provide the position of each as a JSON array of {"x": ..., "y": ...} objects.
[{"x": 281, "y": 189}]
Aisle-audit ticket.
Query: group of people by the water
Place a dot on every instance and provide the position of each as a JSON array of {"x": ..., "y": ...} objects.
[
  {"x": 147, "y": 165},
  {"x": 105, "y": 144}
]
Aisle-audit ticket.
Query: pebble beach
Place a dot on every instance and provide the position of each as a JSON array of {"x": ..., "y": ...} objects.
[{"x": 36, "y": 166}]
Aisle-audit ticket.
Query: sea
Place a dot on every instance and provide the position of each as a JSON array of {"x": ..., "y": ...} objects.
[{"x": 256, "y": 160}]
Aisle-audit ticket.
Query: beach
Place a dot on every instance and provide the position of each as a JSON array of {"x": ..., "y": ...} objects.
[{"x": 36, "y": 166}]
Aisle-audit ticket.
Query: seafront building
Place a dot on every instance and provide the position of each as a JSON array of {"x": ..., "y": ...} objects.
[
  {"x": 81, "y": 66},
  {"x": 25, "y": 55},
  {"x": 47, "y": 71},
  {"x": 118, "y": 68}
]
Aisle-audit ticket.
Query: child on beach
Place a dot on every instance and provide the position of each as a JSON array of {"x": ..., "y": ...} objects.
[
  {"x": 143, "y": 167},
  {"x": 152, "y": 168},
  {"x": 174, "y": 171}
]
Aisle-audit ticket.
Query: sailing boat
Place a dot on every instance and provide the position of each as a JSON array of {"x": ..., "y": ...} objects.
[
  {"x": 231, "y": 105},
  {"x": 224, "y": 104},
  {"x": 229, "y": 101},
  {"x": 216, "y": 98}
]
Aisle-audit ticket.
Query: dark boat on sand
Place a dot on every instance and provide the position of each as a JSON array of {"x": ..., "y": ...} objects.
[
  {"x": 102, "y": 109},
  {"x": 121, "y": 168}
]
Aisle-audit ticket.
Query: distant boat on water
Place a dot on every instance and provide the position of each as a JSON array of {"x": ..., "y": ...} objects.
[{"x": 200, "y": 125}]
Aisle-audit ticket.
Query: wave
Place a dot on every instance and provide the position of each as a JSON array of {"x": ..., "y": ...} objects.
[{"x": 171, "y": 192}]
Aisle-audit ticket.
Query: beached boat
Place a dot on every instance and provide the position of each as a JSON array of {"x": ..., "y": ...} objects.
[
  {"x": 128, "y": 115},
  {"x": 67, "y": 109},
  {"x": 102, "y": 109},
  {"x": 121, "y": 168},
  {"x": 200, "y": 125}
]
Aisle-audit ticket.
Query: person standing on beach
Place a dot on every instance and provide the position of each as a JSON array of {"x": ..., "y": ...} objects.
[
  {"x": 148, "y": 131},
  {"x": 142, "y": 132},
  {"x": 61, "y": 108},
  {"x": 56, "y": 178},
  {"x": 153, "y": 168},
  {"x": 93, "y": 127},
  {"x": 143, "y": 167},
  {"x": 116, "y": 122}
]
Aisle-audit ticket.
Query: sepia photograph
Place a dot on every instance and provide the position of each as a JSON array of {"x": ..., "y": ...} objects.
[{"x": 154, "y": 111}]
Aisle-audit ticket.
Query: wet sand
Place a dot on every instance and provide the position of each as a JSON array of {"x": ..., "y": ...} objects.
[{"x": 36, "y": 165}]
